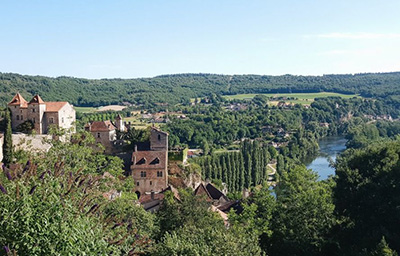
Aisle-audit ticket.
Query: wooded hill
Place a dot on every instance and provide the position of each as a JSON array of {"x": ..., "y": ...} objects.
[{"x": 180, "y": 88}]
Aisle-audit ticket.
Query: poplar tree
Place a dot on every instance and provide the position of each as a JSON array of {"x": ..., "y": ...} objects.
[
  {"x": 233, "y": 170},
  {"x": 248, "y": 167},
  {"x": 241, "y": 172},
  {"x": 224, "y": 169},
  {"x": 8, "y": 146}
]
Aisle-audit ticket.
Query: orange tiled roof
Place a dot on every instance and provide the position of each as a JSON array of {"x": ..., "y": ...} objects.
[
  {"x": 54, "y": 106},
  {"x": 36, "y": 99},
  {"x": 18, "y": 100},
  {"x": 150, "y": 157},
  {"x": 201, "y": 190},
  {"x": 101, "y": 126}
]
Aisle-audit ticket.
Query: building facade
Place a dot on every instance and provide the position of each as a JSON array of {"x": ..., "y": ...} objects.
[
  {"x": 150, "y": 166},
  {"x": 42, "y": 114},
  {"x": 104, "y": 132}
]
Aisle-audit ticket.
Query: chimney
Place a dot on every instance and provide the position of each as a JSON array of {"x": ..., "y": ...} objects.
[
  {"x": 246, "y": 193},
  {"x": 152, "y": 195}
]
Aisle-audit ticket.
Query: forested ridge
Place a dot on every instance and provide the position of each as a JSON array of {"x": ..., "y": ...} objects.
[
  {"x": 180, "y": 88},
  {"x": 53, "y": 203}
]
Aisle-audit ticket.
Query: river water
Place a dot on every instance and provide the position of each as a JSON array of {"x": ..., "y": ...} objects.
[{"x": 329, "y": 148}]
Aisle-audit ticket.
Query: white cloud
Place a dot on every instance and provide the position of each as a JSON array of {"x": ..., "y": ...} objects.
[{"x": 355, "y": 36}]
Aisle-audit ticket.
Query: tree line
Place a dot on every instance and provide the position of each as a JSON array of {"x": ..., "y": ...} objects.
[{"x": 180, "y": 88}]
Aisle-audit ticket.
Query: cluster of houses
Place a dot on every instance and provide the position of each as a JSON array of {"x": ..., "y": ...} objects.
[{"x": 148, "y": 161}]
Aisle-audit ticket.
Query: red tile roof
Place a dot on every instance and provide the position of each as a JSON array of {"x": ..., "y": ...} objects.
[
  {"x": 36, "y": 99},
  {"x": 201, "y": 190},
  {"x": 149, "y": 157},
  {"x": 18, "y": 100},
  {"x": 55, "y": 106},
  {"x": 101, "y": 126},
  {"x": 145, "y": 198}
]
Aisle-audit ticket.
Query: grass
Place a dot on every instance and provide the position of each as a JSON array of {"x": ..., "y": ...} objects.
[
  {"x": 135, "y": 122},
  {"x": 85, "y": 109},
  {"x": 300, "y": 98},
  {"x": 93, "y": 109}
]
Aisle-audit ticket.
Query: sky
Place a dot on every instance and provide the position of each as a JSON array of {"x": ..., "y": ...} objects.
[{"x": 130, "y": 39}]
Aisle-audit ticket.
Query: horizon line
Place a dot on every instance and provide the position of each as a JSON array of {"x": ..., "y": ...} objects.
[{"x": 199, "y": 73}]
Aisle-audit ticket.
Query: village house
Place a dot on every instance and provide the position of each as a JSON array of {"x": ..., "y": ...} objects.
[
  {"x": 105, "y": 132},
  {"x": 42, "y": 114},
  {"x": 149, "y": 165}
]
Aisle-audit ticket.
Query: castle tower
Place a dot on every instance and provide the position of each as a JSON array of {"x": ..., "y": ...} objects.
[
  {"x": 36, "y": 109},
  {"x": 19, "y": 110},
  {"x": 119, "y": 123},
  {"x": 158, "y": 140}
]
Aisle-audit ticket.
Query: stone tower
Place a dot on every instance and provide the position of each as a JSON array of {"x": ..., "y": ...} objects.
[
  {"x": 19, "y": 110},
  {"x": 158, "y": 140},
  {"x": 36, "y": 109},
  {"x": 119, "y": 123}
]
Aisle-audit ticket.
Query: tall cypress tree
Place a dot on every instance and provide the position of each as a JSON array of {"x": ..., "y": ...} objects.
[
  {"x": 237, "y": 172},
  {"x": 224, "y": 169},
  {"x": 248, "y": 165},
  {"x": 230, "y": 178},
  {"x": 233, "y": 170},
  {"x": 241, "y": 172},
  {"x": 8, "y": 146}
]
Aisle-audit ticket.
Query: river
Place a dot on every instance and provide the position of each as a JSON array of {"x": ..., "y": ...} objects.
[{"x": 329, "y": 148}]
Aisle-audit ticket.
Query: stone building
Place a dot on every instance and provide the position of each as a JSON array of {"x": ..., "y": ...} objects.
[
  {"x": 42, "y": 114},
  {"x": 104, "y": 132},
  {"x": 149, "y": 165}
]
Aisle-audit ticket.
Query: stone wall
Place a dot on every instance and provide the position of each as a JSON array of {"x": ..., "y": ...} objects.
[{"x": 33, "y": 143}]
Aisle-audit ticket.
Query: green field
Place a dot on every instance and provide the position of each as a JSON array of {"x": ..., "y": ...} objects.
[
  {"x": 85, "y": 109},
  {"x": 300, "y": 98}
]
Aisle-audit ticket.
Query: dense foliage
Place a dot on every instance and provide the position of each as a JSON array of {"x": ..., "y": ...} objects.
[
  {"x": 238, "y": 169},
  {"x": 181, "y": 88},
  {"x": 7, "y": 144},
  {"x": 367, "y": 196}
]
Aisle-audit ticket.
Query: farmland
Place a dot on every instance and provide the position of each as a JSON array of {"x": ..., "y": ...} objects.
[{"x": 297, "y": 98}]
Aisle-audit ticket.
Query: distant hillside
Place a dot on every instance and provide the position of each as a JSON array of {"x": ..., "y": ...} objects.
[{"x": 181, "y": 87}]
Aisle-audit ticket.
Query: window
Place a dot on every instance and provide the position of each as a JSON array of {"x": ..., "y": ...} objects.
[
  {"x": 155, "y": 161},
  {"x": 33, "y": 110},
  {"x": 137, "y": 183},
  {"x": 151, "y": 183},
  {"x": 22, "y": 117},
  {"x": 159, "y": 137},
  {"x": 62, "y": 119},
  {"x": 17, "y": 117},
  {"x": 51, "y": 120},
  {"x": 98, "y": 135},
  {"x": 159, "y": 174},
  {"x": 142, "y": 161},
  {"x": 143, "y": 174}
]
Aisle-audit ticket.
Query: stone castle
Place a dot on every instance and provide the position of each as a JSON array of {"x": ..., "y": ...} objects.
[
  {"x": 150, "y": 165},
  {"x": 42, "y": 114}
]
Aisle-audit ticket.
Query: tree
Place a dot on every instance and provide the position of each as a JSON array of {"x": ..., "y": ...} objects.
[
  {"x": 303, "y": 215},
  {"x": 8, "y": 145},
  {"x": 367, "y": 198},
  {"x": 188, "y": 227},
  {"x": 383, "y": 249},
  {"x": 25, "y": 127}
]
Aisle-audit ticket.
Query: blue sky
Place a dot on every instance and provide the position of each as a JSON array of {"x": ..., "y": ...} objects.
[{"x": 128, "y": 39}]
